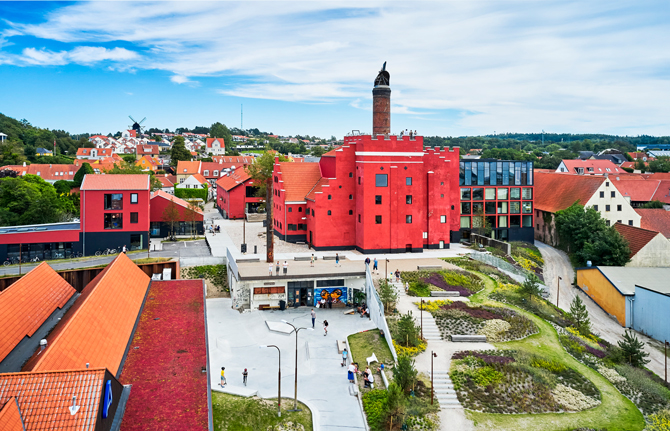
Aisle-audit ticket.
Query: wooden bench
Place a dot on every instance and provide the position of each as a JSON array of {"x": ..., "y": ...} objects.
[
  {"x": 444, "y": 293},
  {"x": 428, "y": 267},
  {"x": 468, "y": 338},
  {"x": 268, "y": 307},
  {"x": 341, "y": 345},
  {"x": 333, "y": 258}
]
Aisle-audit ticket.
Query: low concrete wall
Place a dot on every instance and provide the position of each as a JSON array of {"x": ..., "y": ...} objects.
[
  {"x": 200, "y": 261},
  {"x": 505, "y": 247}
]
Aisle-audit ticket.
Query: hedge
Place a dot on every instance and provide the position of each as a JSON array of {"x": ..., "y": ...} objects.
[{"x": 191, "y": 193}]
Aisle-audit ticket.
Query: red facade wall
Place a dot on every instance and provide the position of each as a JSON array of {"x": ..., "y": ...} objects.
[
  {"x": 93, "y": 204},
  {"x": 40, "y": 237},
  {"x": 232, "y": 202},
  {"x": 158, "y": 205}
]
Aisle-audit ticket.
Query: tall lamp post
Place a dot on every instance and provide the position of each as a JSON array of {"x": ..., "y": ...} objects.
[
  {"x": 665, "y": 346},
  {"x": 558, "y": 290},
  {"x": 278, "y": 379},
  {"x": 422, "y": 318},
  {"x": 386, "y": 269},
  {"x": 295, "y": 391},
  {"x": 432, "y": 390}
]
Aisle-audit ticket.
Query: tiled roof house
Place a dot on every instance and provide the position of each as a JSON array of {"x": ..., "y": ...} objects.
[
  {"x": 647, "y": 248},
  {"x": 656, "y": 219},
  {"x": 589, "y": 167}
]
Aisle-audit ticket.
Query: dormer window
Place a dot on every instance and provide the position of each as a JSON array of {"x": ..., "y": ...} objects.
[{"x": 589, "y": 169}]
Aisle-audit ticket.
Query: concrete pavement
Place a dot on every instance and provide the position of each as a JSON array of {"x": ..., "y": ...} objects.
[{"x": 322, "y": 383}]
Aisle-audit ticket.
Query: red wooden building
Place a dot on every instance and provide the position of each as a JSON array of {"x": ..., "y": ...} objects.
[
  {"x": 236, "y": 194},
  {"x": 160, "y": 201}
]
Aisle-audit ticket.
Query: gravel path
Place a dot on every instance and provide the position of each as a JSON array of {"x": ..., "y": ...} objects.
[{"x": 556, "y": 263}]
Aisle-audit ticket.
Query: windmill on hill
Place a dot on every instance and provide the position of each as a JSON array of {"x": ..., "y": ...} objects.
[{"x": 137, "y": 125}]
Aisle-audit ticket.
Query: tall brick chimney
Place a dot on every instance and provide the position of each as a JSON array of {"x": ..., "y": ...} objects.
[{"x": 381, "y": 104}]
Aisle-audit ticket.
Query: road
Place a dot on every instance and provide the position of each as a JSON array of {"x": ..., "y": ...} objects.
[
  {"x": 556, "y": 263},
  {"x": 178, "y": 249}
]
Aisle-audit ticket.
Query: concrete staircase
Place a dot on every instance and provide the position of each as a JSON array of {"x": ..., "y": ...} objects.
[
  {"x": 430, "y": 329},
  {"x": 444, "y": 390}
]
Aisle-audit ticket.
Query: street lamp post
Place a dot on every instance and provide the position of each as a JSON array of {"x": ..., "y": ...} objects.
[
  {"x": 386, "y": 269},
  {"x": 421, "y": 318},
  {"x": 432, "y": 390},
  {"x": 295, "y": 390},
  {"x": 278, "y": 379},
  {"x": 558, "y": 290},
  {"x": 665, "y": 346}
]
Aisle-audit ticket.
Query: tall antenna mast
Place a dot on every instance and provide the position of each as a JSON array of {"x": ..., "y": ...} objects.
[{"x": 241, "y": 117}]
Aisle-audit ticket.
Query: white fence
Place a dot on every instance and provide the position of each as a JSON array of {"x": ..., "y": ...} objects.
[
  {"x": 498, "y": 263},
  {"x": 377, "y": 309}
]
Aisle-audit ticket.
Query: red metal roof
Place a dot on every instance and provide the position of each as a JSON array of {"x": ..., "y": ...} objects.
[
  {"x": 554, "y": 192},
  {"x": 229, "y": 182},
  {"x": 98, "y": 327},
  {"x": 10, "y": 416},
  {"x": 115, "y": 182},
  {"x": 656, "y": 219},
  {"x": 599, "y": 167},
  {"x": 44, "y": 398},
  {"x": 637, "y": 237},
  {"x": 169, "y": 388},
  {"x": 28, "y": 303},
  {"x": 298, "y": 179}
]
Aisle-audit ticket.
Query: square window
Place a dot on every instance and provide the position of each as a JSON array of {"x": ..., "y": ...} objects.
[
  {"x": 408, "y": 199},
  {"x": 527, "y": 221},
  {"x": 351, "y": 197},
  {"x": 515, "y": 193},
  {"x": 378, "y": 219},
  {"x": 443, "y": 219},
  {"x": 465, "y": 222},
  {"x": 133, "y": 198},
  {"x": 502, "y": 221},
  {"x": 607, "y": 222},
  {"x": 442, "y": 195},
  {"x": 408, "y": 181},
  {"x": 527, "y": 208},
  {"x": 465, "y": 194},
  {"x": 466, "y": 208},
  {"x": 490, "y": 207},
  {"x": 442, "y": 183},
  {"x": 612, "y": 194},
  {"x": 378, "y": 200},
  {"x": 490, "y": 194},
  {"x": 630, "y": 222},
  {"x": 477, "y": 208},
  {"x": 602, "y": 194},
  {"x": 381, "y": 180},
  {"x": 618, "y": 207},
  {"x": 113, "y": 221},
  {"x": 502, "y": 193},
  {"x": 290, "y": 209},
  {"x": 527, "y": 193},
  {"x": 114, "y": 201},
  {"x": 595, "y": 207},
  {"x": 329, "y": 213},
  {"x": 607, "y": 207},
  {"x": 477, "y": 194},
  {"x": 408, "y": 219},
  {"x": 502, "y": 207},
  {"x": 607, "y": 183},
  {"x": 133, "y": 217},
  {"x": 330, "y": 197},
  {"x": 514, "y": 207}
]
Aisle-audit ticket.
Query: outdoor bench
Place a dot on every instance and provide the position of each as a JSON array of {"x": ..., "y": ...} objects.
[
  {"x": 469, "y": 338},
  {"x": 333, "y": 258},
  {"x": 426, "y": 267},
  {"x": 444, "y": 293},
  {"x": 303, "y": 258}
]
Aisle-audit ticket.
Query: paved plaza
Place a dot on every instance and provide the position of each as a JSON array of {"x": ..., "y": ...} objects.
[{"x": 234, "y": 341}]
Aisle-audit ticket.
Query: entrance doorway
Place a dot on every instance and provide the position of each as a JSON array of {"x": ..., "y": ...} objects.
[
  {"x": 300, "y": 294},
  {"x": 408, "y": 248}
]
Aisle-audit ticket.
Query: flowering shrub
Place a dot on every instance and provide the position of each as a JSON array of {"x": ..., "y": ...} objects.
[
  {"x": 476, "y": 312},
  {"x": 497, "y": 357},
  {"x": 492, "y": 328},
  {"x": 610, "y": 374},
  {"x": 527, "y": 264},
  {"x": 410, "y": 351},
  {"x": 572, "y": 400},
  {"x": 433, "y": 306},
  {"x": 553, "y": 366},
  {"x": 437, "y": 280},
  {"x": 588, "y": 339},
  {"x": 659, "y": 421}
]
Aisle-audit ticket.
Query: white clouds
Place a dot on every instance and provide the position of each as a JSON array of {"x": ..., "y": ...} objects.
[{"x": 507, "y": 66}]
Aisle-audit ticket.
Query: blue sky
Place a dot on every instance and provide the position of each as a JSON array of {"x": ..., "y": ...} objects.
[{"x": 457, "y": 68}]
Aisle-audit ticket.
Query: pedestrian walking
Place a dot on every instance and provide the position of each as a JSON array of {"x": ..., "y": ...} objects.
[
  {"x": 367, "y": 262},
  {"x": 285, "y": 267},
  {"x": 277, "y": 268},
  {"x": 344, "y": 357},
  {"x": 244, "y": 377},
  {"x": 325, "y": 328},
  {"x": 337, "y": 259},
  {"x": 313, "y": 317},
  {"x": 270, "y": 269},
  {"x": 223, "y": 376},
  {"x": 350, "y": 372},
  {"x": 311, "y": 261},
  {"x": 397, "y": 276},
  {"x": 124, "y": 249},
  {"x": 374, "y": 265},
  {"x": 330, "y": 302}
]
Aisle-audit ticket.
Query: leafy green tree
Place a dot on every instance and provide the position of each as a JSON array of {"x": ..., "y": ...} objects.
[
  {"x": 11, "y": 153},
  {"x": 317, "y": 151},
  {"x": 633, "y": 350},
  {"x": 576, "y": 225},
  {"x": 388, "y": 296},
  {"x": 661, "y": 164},
  {"x": 640, "y": 165},
  {"x": 607, "y": 248},
  {"x": 157, "y": 138},
  {"x": 395, "y": 405},
  {"x": 84, "y": 169},
  {"x": 179, "y": 151},
  {"x": 219, "y": 130},
  {"x": 530, "y": 286},
  {"x": 261, "y": 170},
  {"x": 129, "y": 158},
  {"x": 63, "y": 187},
  {"x": 653, "y": 204},
  {"x": 580, "y": 316},
  {"x": 404, "y": 373},
  {"x": 408, "y": 333},
  {"x": 28, "y": 200}
]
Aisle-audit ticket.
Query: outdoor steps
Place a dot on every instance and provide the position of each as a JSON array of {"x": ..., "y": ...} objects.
[
  {"x": 430, "y": 329},
  {"x": 444, "y": 390}
]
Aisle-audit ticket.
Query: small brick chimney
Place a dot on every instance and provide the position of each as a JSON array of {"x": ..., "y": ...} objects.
[{"x": 381, "y": 104}]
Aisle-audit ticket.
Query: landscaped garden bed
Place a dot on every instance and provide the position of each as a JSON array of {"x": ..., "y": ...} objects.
[
  {"x": 517, "y": 382},
  {"x": 421, "y": 283},
  {"x": 231, "y": 412},
  {"x": 509, "y": 293}
]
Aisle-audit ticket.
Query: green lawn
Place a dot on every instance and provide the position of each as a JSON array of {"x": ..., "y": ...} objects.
[
  {"x": 365, "y": 343},
  {"x": 233, "y": 413},
  {"x": 615, "y": 412}
]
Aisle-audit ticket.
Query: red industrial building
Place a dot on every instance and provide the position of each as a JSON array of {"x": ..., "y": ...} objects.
[
  {"x": 160, "y": 201},
  {"x": 236, "y": 194},
  {"x": 381, "y": 192}
]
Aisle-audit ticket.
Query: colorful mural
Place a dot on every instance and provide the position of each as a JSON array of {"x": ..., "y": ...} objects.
[{"x": 336, "y": 294}]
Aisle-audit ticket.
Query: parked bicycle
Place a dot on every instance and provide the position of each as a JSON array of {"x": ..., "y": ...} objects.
[
  {"x": 11, "y": 261},
  {"x": 105, "y": 252},
  {"x": 35, "y": 259}
]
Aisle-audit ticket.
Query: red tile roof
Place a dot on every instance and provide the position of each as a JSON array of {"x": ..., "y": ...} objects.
[
  {"x": 656, "y": 219},
  {"x": 169, "y": 388},
  {"x": 28, "y": 303},
  {"x": 554, "y": 192},
  {"x": 200, "y": 178},
  {"x": 657, "y": 176},
  {"x": 181, "y": 202},
  {"x": 187, "y": 168},
  {"x": 229, "y": 182},
  {"x": 331, "y": 153},
  {"x": 299, "y": 179},
  {"x": 165, "y": 181},
  {"x": 147, "y": 149},
  {"x": 98, "y": 327},
  {"x": 210, "y": 141},
  {"x": 10, "y": 416},
  {"x": 115, "y": 182},
  {"x": 44, "y": 398},
  {"x": 637, "y": 237},
  {"x": 45, "y": 171},
  {"x": 599, "y": 166},
  {"x": 636, "y": 190},
  {"x": 232, "y": 160},
  {"x": 662, "y": 192},
  {"x": 318, "y": 188},
  {"x": 100, "y": 152}
]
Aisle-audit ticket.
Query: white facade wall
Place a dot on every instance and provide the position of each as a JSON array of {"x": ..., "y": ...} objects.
[
  {"x": 656, "y": 253},
  {"x": 627, "y": 213}
]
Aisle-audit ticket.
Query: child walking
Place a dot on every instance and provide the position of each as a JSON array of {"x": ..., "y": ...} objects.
[
  {"x": 223, "y": 376},
  {"x": 325, "y": 328}
]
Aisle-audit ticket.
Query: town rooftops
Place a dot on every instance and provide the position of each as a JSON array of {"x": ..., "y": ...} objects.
[
  {"x": 298, "y": 179},
  {"x": 165, "y": 181},
  {"x": 235, "y": 160},
  {"x": 10, "y": 416},
  {"x": 637, "y": 237},
  {"x": 211, "y": 141},
  {"x": 656, "y": 219},
  {"x": 98, "y": 328},
  {"x": 28, "y": 303},
  {"x": 44, "y": 398},
  {"x": 635, "y": 189},
  {"x": 554, "y": 191},
  {"x": 169, "y": 197},
  {"x": 39, "y": 227},
  {"x": 115, "y": 182},
  {"x": 53, "y": 172},
  {"x": 591, "y": 167},
  {"x": 147, "y": 149},
  {"x": 100, "y": 152},
  {"x": 237, "y": 177},
  {"x": 187, "y": 168},
  {"x": 624, "y": 279}
]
